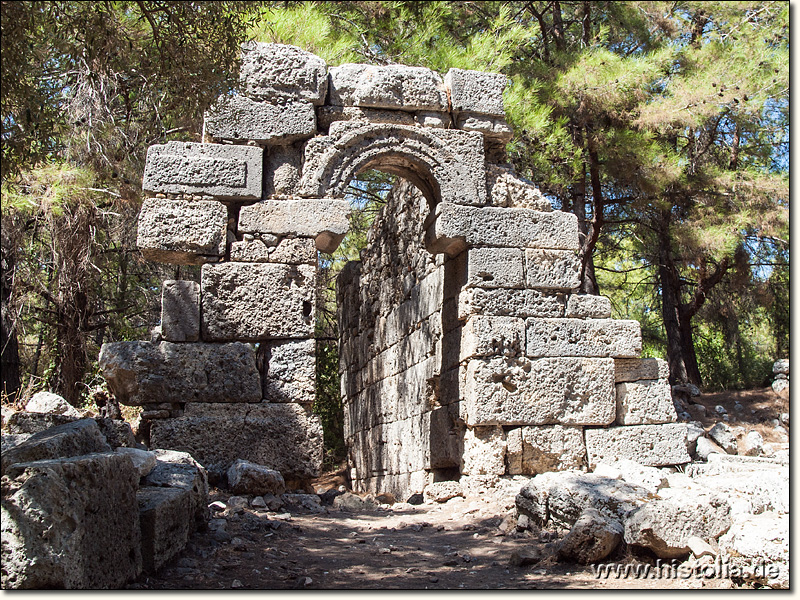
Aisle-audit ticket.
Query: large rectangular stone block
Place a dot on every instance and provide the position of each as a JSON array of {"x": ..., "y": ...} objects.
[
  {"x": 634, "y": 369},
  {"x": 510, "y": 302},
  {"x": 649, "y": 445},
  {"x": 325, "y": 220},
  {"x": 492, "y": 336},
  {"x": 239, "y": 118},
  {"x": 476, "y": 91},
  {"x": 484, "y": 451},
  {"x": 180, "y": 311},
  {"x": 71, "y": 523},
  {"x": 645, "y": 402},
  {"x": 283, "y": 437},
  {"x": 257, "y": 301},
  {"x": 552, "y": 269},
  {"x": 142, "y": 372},
  {"x": 391, "y": 86},
  {"x": 495, "y": 268},
  {"x": 575, "y": 391},
  {"x": 456, "y": 226},
  {"x": 291, "y": 371},
  {"x": 578, "y": 337},
  {"x": 224, "y": 171},
  {"x": 279, "y": 71},
  {"x": 182, "y": 232},
  {"x": 540, "y": 449},
  {"x": 290, "y": 251},
  {"x": 585, "y": 306},
  {"x": 166, "y": 521}
]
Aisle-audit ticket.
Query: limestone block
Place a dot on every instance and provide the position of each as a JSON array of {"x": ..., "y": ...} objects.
[
  {"x": 139, "y": 372},
  {"x": 592, "y": 538},
  {"x": 276, "y": 71},
  {"x": 331, "y": 114},
  {"x": 574, "y": 391},
  {"x": 476, "y": 91},
  {"x": 495, "y": 268},
  {"x": 454, "y": 227},
  {"x": 239, "y": 118},
  {"x": 21, "y": 422},
  {"x": 69, "y": 439},
  {"x": 325, "y": 220},
  {"x": 283, "y": 437},
  {"x": 179, "y": 470},
  {"x": 257, "y": 301},
  {"x": 224, "y": 171},
  {"x": 245, "y": 477},
  {"x": 182, "y": 232},
  {"x": 290, "y": 251},
  {"x": 445, "y": 164},
  {"x": 492, "y": 336},
  {"x": 643, "y": 402},
  {"x": 391, "y": 86},
  {"x": 509, "y": 190},
  {"x": 180, "y": 311},
  {"x": 291, "y": 371},
  {"x": 442, "y": 491},
  {"x": 578, "y": 337},
  {"x": 550, "y": 448},
  {"x": 484, "y": 451},
  {"x": 165, "y": 521},
  {"x": 559, "y": 498},
  {"x": 492, "y": 128},
  {"x": 759, "y": 546},
  {"x": 586, "y": 306},
  {"x": 430, "y": 118},
  {"x": 509, "y": 302},
  {"x": 552, "y": 269},
  {"x": 71, "y": 523},
  {"x": 143, "y": 461},
  {"x": 634, "y": 369},
  {"x": 48, "y": 402},
  {"x": 282, "y": 170},
  {"x": 649, "y": 445}
]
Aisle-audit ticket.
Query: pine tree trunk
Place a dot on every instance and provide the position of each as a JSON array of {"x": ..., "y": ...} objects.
[
  {"x": 670, "y": 302},
  {"x": 8, "y": 332},
  {"x": 687, "y": 349}
]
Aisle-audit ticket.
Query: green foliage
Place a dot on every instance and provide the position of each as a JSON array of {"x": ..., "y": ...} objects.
[{"x": 328, "y": 402}]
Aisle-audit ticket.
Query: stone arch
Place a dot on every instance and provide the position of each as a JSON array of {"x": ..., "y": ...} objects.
[{"x": 446, "y": 165}]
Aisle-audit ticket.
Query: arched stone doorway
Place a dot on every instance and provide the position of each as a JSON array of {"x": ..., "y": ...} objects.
[{"x": 488, "y": 365}]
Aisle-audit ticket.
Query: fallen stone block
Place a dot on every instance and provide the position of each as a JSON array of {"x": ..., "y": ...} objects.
[
  {"x": 723, "y": 435},
  {"x": 139, "y": 372},
  {"x": 476, "y": 91},
  {"x": 257, "y": 301},
  {"x": 143, "y": 461},
  {"x": 179, "y": 470},
  {"x": 579, "y": 337},
  {"x": 592, "y": 538},
  {"x": 645, "y": 402},
  {"x": 166, "y": 521},
  {"x": 455, "y": 227},
  {"x": 509, "y": 302},
  {"x": 495, "y": 268},
  {"x": 180, "y": 311},
  {"x": 560, "y": 498},
  {"x": 22, "y": 422},
  {"x": 586, "y": 306},
  {"x": 635, "y": 369},
  {"x": 283, "y": 437},
  {"x": 327, "y": 221},
  {"x": 391, "y": 86},
  {"x": 223, "y": 171},
  {"x": 70, "y": 439},
  {"x": 665, "y": 526},
  {"x": 492, "y": 336},
  {"x": 183, "y": 232},
  {"x": 552, "y": 269},
  {"x": 47, "y": 402},
  {"x": 568, "y": 391},
  {"x": 758, "y": 546},
  {"x": 239, "y": 118},
  {"x": 289, "y": 251},
  {"x": 649, "y": 445},
  {"x": 70, "y": 523},
  {"x": 245, "y": 477},
  {"x": 539, "y": 449},
  {"x": 279, "y": 71},
  {"x": 442, "y": 491}
]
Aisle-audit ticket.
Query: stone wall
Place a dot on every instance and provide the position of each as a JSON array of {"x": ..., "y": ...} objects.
[{"x": 465, "y": 348}]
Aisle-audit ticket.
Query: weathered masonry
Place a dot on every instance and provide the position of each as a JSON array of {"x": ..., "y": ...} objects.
[{"x": 465, "y": 351}]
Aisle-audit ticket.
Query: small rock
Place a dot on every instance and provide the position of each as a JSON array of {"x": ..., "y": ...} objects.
[
  {"x": 700, "y": 547},
  {"x": 524, "y": 557},
  {"x": 258, "y": 502},
  {"x": 143, "y": 461},
  {"x": 785, "y": 418},
  {"x": 780, "y": 385},
  {"x": 237, "y": 502},
  {"x": 781, "y": 366},
  {"x": 723, "y": 435},
  {"x": 705, "y": 447},
  {"x": 273, "y": 502},
  {"x": 415, "y": 499},
  {"x": 720, "y": 409},
  {"x": 738, "y": 407},
  {"x": 236, "y": 584},
  {"x": 753, "y": 444},
  {"x": 47, "y": 402}
]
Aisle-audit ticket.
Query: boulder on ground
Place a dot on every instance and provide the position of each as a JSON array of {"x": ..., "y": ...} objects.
[
  {"x": 352, "y": 503},
  {"x": 753, "y": 444},
  {"x": 723, "y": 435},
  {"x": 442, "y": 491},
  {"x": 35, "y": 422},
  {"x": 47, "y": 402},
  {"x": 592, "y": 538},
  {"x": 245, "y": 477},
  {"x": 759, "y": 546},
  {"x": 165, "y": 517},
  {"x": 704, "y": 447}
]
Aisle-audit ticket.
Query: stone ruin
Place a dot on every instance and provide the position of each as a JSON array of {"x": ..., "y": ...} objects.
[{"x": 466, "y": 351}]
